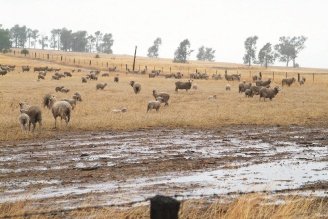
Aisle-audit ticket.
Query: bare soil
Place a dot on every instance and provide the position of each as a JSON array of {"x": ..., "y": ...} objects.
[{"x": 123, "y": 168}]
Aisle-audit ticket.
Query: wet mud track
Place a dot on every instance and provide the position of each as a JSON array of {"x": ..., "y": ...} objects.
[{"x": 118, "y": 168}]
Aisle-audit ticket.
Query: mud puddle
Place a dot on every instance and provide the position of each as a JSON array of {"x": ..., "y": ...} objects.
[{"x": 117, "y": 168}]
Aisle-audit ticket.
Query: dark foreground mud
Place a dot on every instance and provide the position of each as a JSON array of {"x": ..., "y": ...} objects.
[{"x": 119, "y": 168}]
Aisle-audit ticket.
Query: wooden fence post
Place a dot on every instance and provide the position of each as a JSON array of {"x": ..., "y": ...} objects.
[
  {"x": 273, "y": 75},
  {"x": 170, "y": 69},
  {"x": 313, "y": 77},
  {"x": 90, "y": 62},
  {"x": 298, "y": 77}
]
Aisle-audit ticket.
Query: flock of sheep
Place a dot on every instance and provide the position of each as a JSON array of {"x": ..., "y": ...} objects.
[{"x": 31, "y": 115}]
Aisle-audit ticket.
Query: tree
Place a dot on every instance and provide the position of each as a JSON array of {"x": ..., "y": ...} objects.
[
  {"x": 205, "y": 54},
  {"x": 182, "y": 52},
  {"x": 53, "y": 39},
  {"x": 29, "y": 33},
  {"x": 266, "y": 55},
  {"x": 153, "y": 50},
  {"x": 35, "y": 36},
  {"x": 250, "y": 47},
  {"x": 298, "y": 44},
  {"x": 98, "y": 36},
  {"x": 14, "y": 34},
  {"x": 4, "y": 39},
  {"x": 91, "y": 42},
  {"x": 43, "y": 41},
  {"x": 80, "y": 41},
  {"x": 107, "y": 43},
  {"x": 65, "y": 39}
]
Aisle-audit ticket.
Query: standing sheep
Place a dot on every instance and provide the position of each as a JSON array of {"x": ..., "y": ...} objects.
[
  {"x": 24, "y": 120},
  {"x": 183, "y": 85},
  {"x": 72, "y": 102},
  {"x": 268, "y": 92},
  {"x": 287, "y": 81},
  {"x": 302, "y": 81},
  {"x": 154, "y": 104},
  {"x": 248, "y": 93},
  {"x": 34, "y": 113},
  {"x": 77, "y": 96},
  {"x": 101, "y": 86},
  {"x": 60, "y": 109},
  {"x": 84, "y": 80},
  {"x": 136, "y": 87},
  {"x": 228, "y": 87},
  {"x": 165, "y": 96}
]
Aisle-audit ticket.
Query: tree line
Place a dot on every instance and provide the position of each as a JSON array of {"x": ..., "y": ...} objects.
[
  {"x": 64, "y": 39},
  {"x": 286, "y": 50},
  {"x": 59, "y": 39}
]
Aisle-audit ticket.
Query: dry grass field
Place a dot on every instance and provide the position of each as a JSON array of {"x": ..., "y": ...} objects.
[
  {"x": 246, "y": 207},
  {"x": 301, "y": 105}
]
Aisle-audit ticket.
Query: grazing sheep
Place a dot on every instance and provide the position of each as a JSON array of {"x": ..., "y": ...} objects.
[
  {"x": 59, "y": 88},
  {"x": 268, "y": 92},
  {"x": 152, "y": 75},
  {"x": 263, "y": 83},
  {"x": 165, "y": 96},
  {"x": 72, "y": 102},
  {"x": 136, "y": 87},
  {"x": 116, "y": 79},
  {"x": 212, "y": 97},
  {"x": 101, "y": 86},
  {"x": 256, "y": 89},
  {"x": 34, "y": 113},
  {"x": 40, "y": 77},
  {"x": 84, "y": 80},
  {"x": 302, "y": 81},
  {"x": 105, "y": 75},
  {"x": 43, "y": 73},
  {"x": 60, "y": 109},
  {"x": 183, "y": 85},
  {"x": 249, "y": 93},
  {"x": 228, "y": 87},
  {"x": 68, "y": 74},
  {"x": 55, "y": 77},
  {"x": 24, "y": 120},
  {"x": 216, "y": 77},
  {"x": 64, "y": 90},
  {"x": 154, "y": 104},
  {"x": 112, "y": 69},
  {"x": 77, "y": 97},
  {"x": 25, "y": 68},
  {"x": 3, "y": 72},
  {"x": 195, "y": 86},
  {"x": 244, "y": 86},
  {"x": 287, "y": 81}
]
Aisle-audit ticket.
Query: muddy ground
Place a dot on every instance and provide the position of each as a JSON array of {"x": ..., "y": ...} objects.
[{"x": 120, "y": 168}]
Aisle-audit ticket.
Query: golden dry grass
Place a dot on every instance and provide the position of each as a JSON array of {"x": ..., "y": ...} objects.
[
  {"x": 246, "y": 207},
  {"x": 304, "y": 105}
]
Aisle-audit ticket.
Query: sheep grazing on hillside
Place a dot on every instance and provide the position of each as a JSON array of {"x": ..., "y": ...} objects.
[
  {"x": 183, "y": 85},
  {"x": 64, "y": 90},
  {"x": 101, "y": 86},
  {"x": 244, "y": 86},
  {"x": 25, "y": 68},
  {"x": 105, "y": 75},
  {"x": 263, "y": 83},
  {"x": 256, "y": 89},
  {"x": 84, "y": 80},
  {"x": 154, "y": 104},
  {"x": 248, "y": 93},
  {"x": 68, "y": 74},
  {"x": 268, "y": 93},
  {"x": 112, "y": 69},
  {"x": 77, "y": 96},
  {"x": 58, "y": 89},
  {"x": 287, "y": 81},
  {"x": 34, "y": 113},
  {"x": 3, "y": 72},
  {"x": 72, "y": 102},
  {"x": 24, "y": 120},
  {"x": 40, "y": 77},
  {"x": 302, "y": 81},
  {"x": 136, "y": 87},
  {"x": 60, "y": 109},
  {"x": 55, "y": 77},
  {"x": 212, "y": 97},
  {"x": 165, "y": 96},
  {"x": 228, "y": 87}
]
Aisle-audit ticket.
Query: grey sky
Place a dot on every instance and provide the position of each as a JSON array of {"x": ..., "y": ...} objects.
[{"x": 220, "y": 24}]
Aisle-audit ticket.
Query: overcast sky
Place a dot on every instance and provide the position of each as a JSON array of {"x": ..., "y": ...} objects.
[{"x": 220, "y": 24}]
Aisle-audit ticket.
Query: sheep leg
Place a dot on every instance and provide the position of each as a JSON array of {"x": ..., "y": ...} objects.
[
  {"x": 29, "y": 126},
  {"x": 34, "y": 124}
]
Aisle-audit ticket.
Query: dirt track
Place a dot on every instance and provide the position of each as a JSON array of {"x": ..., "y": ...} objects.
[{"x": 117, "y": 168}]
